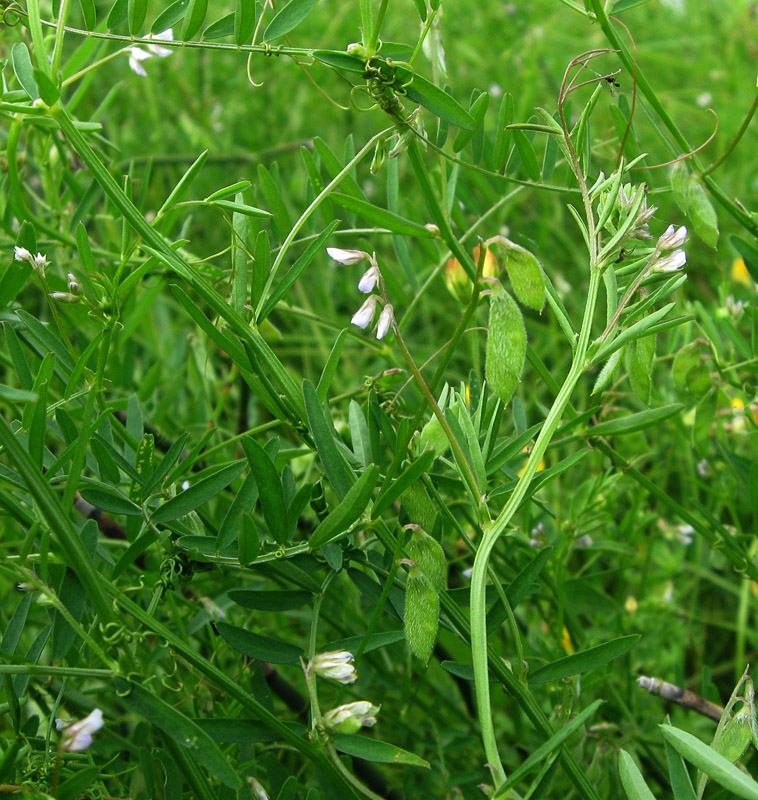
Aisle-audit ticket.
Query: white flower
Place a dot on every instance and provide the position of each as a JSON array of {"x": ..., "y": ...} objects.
[
  {"x": 671, "y": 262},
  {"x": 137, "y": 55},
  {"x": 369, "y": 280},
  {"x": 364, "y": 316},
  {"x": 78, "y": 737},
  {"x": 22, "y": 254},
  {"x": 684, "y": 534},
  {"x": 40, "y": 262},
  {"x": 350, "y": 717},
  {"x": 65, "y": 297},
  {"x": 386, "y": 319},
  {"x": 672, "y": 238},
  {"x": 336, "y": 665},
  {"x": 347, "y": 257}
]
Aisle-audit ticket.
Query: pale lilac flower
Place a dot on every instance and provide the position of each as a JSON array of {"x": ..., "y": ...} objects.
[
  {"x": 364, "y": 316},
  {"x": 369, "y": 280},
  {"x": 347, "y": 257},
  {"x": 702, "y": 468},
  {"x": 22, "y": 254},
  {"x": 137, "y": 55},
  {"x": 351, "y": 717},
  {"x": 336, "y": 665},
  {"x": 672, "y": 262},
  {"x": 78, "y": 737},
  {"x": 672, "y": 238},
  {"x": 386, "y": 318}
]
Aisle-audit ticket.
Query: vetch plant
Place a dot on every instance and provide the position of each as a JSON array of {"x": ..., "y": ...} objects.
[{"x": 400, "y": 399}]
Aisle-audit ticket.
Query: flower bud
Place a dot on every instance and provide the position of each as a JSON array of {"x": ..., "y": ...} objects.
[
  {"x": 380, "y": 153},
  {"x": 369, "y": 280},
  {"x": 386, "y": 318},
  {"x": 347, "y": 257},
  {"x": 73, "y": 284},
  {"x": 672, "y": 238},
  {"x": 364, "y": 316},
  {"x": 336, "y": 665},
  {"x": 78, "y": 737},
  {"x": 22, "y": 254},
  {"x": 64, "y": 297},
  {"x": 349, "y": 718}
]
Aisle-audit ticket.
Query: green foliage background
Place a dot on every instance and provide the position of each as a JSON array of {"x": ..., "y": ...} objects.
[{"x": 624, "y": 558}]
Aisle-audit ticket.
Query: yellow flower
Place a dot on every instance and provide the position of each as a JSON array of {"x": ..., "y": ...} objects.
[{"x": 740, "y": 273}]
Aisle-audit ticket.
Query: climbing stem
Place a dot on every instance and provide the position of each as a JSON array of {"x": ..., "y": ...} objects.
[{"x": 493, "y": 532}]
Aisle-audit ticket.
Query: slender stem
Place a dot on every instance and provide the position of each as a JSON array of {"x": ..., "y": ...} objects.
[
  {"x": 493, "y": 532},
  {"x": 465, "y": 467},
  {"x": 377, "y": 29},
  {"x": 366, "y": 21},
  {"x": 59, "y": 31},
  {"x": 38, "y": 38},
  {"x": 735, "y": 141},
  {"x": 427, "y": 25},
  {"x": 49, "y": 671}
]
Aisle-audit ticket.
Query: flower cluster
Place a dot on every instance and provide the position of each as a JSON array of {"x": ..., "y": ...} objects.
[
  {"x": 39, "y": 262},
  {"x": 370, "y": 279},
  {"x": 351, "y": 717},
  {"x": 336, "y": 665},
  {"x": 137, "y": 54},
  {"x": 671, "y": 239},
  {"x": 77, "y": 736}
]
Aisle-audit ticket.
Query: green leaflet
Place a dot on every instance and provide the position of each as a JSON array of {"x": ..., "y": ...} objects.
[
  {"x": 348, "y": 511},
  {"x": 182, "y": 730},
  {"x": 586, "y": 660},
  {"x": 376, "y": 750},
  {"x": 288, "y": 18}
]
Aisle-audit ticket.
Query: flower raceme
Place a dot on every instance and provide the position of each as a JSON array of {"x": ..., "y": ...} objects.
[
  {"x": 78, "y": 736},
  {"x": 672, "y": 238},
  {"x": 370, "y": 279},
  {"x": 336, "y": 665}
]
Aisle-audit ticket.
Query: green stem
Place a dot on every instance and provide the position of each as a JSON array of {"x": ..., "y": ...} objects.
[
  {"x": 52, "y": 672},
  {"x": 366, "y": 22},
  {"x": 376, "y": 30},
  {"x": 735, "y": 141},
  {"x": 59, "y": 31},
  {"x": 38, "y": 38},
  {"x": 57, "y": 520},
  {"x": 493, "y": 532},
  {"x": 460, "y": 456}
]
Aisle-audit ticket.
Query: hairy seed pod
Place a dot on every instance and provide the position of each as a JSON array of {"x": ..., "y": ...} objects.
[
  {"x": 428, "y": 554},
  {"x": 419, "y": 507},
  {"x": 506, "y": 344},
  {"x": 432, "y": 436},
  {"x": 422, "y": 610}
]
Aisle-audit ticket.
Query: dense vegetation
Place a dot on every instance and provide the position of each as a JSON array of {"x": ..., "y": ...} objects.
[{"x": 250, "y": 549}]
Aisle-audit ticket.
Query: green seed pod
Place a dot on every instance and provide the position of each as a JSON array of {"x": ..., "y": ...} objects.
[
  {"x": 418, "y": 505},
  {"x": 428, "y": 554},
  {"x": 608, "y": 371},
  {"x": 422, "y": 610},
  {"x": 524, "y": 270},
  {"x": 506, "y": 344}
]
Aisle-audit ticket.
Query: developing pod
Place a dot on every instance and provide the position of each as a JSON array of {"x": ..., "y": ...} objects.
[{"x": 506, "y": 344}]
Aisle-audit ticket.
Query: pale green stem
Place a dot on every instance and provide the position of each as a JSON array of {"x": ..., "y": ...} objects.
[
  {"x": 61, "y": 672},
  {"x": 376, "y": 30},
  {"x": 366, "y": 14},
  {"x": 59, "y": 31},
  {"x": 38, "y": 38},
  {"x": 493, "y": 532},
  {"x": 465, "y": 467}
]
